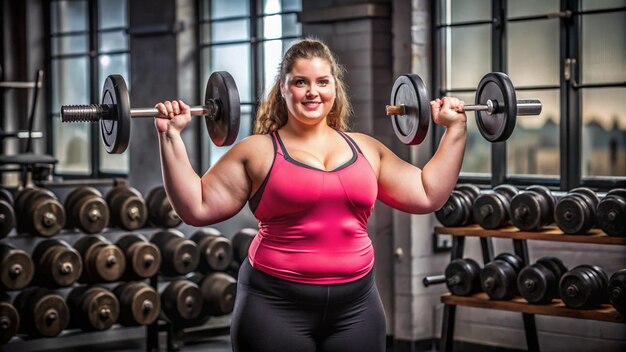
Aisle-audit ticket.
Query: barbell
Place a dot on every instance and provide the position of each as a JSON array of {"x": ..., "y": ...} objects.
[
  {"x": 221, "y": 111},
  {"x": 496, "y": 108}
]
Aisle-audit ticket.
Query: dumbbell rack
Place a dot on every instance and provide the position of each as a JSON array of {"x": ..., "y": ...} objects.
[{"x": 518, "y": 304}]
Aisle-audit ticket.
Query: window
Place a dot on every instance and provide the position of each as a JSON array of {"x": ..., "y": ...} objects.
[
  {"x": 88, "y": 42},
  {"x": 569, "y": 54},
  {"x": 247, "y": 38}
]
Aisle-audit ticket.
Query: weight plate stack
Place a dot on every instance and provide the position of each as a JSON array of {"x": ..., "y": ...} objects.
[
  {"x": 457, "y": 211},
  {"x": 7, "y": 215},
  {"x": 92, "y": 308},
  {"x": 499, "y": 277},
  {"x": 160, "y": 210},
  {"x": 39, "y": 212},
  {"x": 611, "y": 213},
  {"x": 539, "y": 283},
  {"x": 575, "y": 213},
  {"x": 241, "y": 243},
  {"x": 42, "y": 312},
  {"x": 16, "y": 268},
  {"x": 9, "y": 319},
  {"x": 182, "y": 304},
  {"x": 86, "y": 210},
  {"x": 58, "y": 264},
  {"x": 491, "y": 210},
  {"x": 463, "y": 277},
  {"x": 102, "y": 261},
  {"x": 617, "y": 290},
  {"x": 583, "y": 287},
  {"x": 128, "y": 208},
  {"x": 216, "y": 251},
  {"x": 218, "y": 291},
  {"x": 140, "y": 304},
  {"x": 180, "y": 255},
  {"x": 143, "y": 259},
  {"x": 532, "y": 209}
]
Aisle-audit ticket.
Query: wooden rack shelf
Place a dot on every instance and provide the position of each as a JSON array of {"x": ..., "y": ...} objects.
[
  {"x": 595, "y": 236},
  {"x": 519, "y": 304}
]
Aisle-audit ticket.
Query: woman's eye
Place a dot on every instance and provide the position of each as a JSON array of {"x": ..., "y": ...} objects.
[
  {"x": 299, "y": 82},
  {"x": 323, "y": 83}
]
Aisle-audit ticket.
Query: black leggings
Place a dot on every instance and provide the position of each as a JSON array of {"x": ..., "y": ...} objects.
[{"x": 275, "y": 315}]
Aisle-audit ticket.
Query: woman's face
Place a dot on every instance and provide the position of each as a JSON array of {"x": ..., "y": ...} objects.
[{"x": 309, "y": 90}]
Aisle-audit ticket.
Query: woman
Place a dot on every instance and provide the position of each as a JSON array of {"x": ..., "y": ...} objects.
[{"x": 308, "y": 283}]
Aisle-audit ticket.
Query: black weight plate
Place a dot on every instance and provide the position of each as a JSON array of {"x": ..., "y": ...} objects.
[
  {"x": 465, "y": 275},
  {"x": 140, "y": 304},
  {"x": 509, "y": 191},
  {"x": 494, "y": 280},
  {"x": 115, "y": 133},
  {"x": 50, "y": 314},
  {"x": 454, "y": 212},
  {"x": 181, "y": 302},
  {"x": 472, "y": 190},
  {"x": 16, "y": 268},
  {"x": 7, "y": 218},
  {"x": 589, "y": 193},
  {"x": 224, "y": 128},
  {"x": 5, "y": 195},
  {"x": 241, "y": 243},
  {"x": 620, "y": 192},
  {"x": 219, "y": 291},
  {"x": 490, "y": 210},
  {"x": 526, "y": 211},
  {"x": 554, "y": 264},
  {"x": 611, "y": 214},
  {"x": 409, "y": 90},
  {"x": 617, "y": 290},
  {"x": 48, "y": 217},
  {"x": 497, "y": 127},
  {"x": 575, "y": 287},
  {"x": 537, "y": 284},
  {"x": 572, "y": 214},
  {"x": 547, "y": 194},
  {"x": 10, "y": 322}
]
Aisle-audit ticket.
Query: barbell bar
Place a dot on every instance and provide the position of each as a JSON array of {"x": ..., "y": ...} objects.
[
  {"x": 496, "y": 108},
  {"x": 221, "y": 110}
]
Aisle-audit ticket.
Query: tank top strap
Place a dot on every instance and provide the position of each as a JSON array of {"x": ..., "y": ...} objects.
[
  {"x": 278, "y": 142},
  {"x": 350, "y": 141}
]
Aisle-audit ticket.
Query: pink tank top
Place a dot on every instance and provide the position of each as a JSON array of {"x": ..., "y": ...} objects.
[{"x": 312, "y": 222}]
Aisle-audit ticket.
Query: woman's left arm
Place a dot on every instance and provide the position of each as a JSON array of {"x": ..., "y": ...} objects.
[{"x": 418, "y": 191}]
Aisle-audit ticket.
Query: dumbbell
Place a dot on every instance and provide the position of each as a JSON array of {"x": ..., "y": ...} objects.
[
  {"x": 218, "y": 291},
  {"x": 491, "y": 209},
  {"x": 182, "y": 304},
  {"x": 92, "y": 308},
  {"x": 143, "y": 258},
  {"x": 180, "y": 255},
  {"x": 9, "y": 319},
  {"x": 611, "y": 213},
  {"x": 43, "y": 313},
  {"x": 140, "y": 304},
  {"x": 539, "y": 283},
  {"x": 583, "y": 287},
  {"x": 221, "y": 111},
  {"x": 57, "y": 264},
  {"x": 496, "y": 108},
  {"x": 499, "y": 277},
  {"x": 617, "y": 290},
  {"x": 39, "y": 212},
  {"x": 462, "y": 277},
  {"x": 575, "y": 213},
  {"x": 160, "y": 210},
  {"x": 102, "y": 260},
  {"x": 532, "y": 209},
  {"x": 458, "y": 208},
  {"x": 86, "y": 210},
  {"x": 216, "y": 251},
  {"x": 16, "y": 268},
  {"x": 128, "y": 208},
  {"x": 241, "y": 243},
  {"x": 7, "y": 215}
]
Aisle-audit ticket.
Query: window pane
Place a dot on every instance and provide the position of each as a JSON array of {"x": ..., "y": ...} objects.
[
  {"x": 604, "y": 48},
  {"x": 68, "y": 16},
  {"x": 112, "y": 41},
  {"x": 244, "y": 131},
  {"x": 71, "y": 44},
  {"x": 112, "y": 13},
  {"x": 454, "y": 11},
  {"x": 277, "y": 26},
  {"x": 230, "y": 8},
  {"x": 477, "y": 157},
  {"x": 272, "y": 54},
  {"x": 70, "y": 79},
  {"x": 229, "y": 31},
  {"x": 236, "y": 60},
  {"x": 532, "y": 7},
  {"x": 275, "y": 6},
  {"x": 533, "y": 52},
  {"x": 604, "y": 132},
  {"x": 468, "y": 56},
  {"x": 533, "y": 149},
  {"x": 113, "y": 64},
  {"x": 114, "y": 163},
  {"x": 72, "y": 147},
  {"x": 602, "y": 4}
]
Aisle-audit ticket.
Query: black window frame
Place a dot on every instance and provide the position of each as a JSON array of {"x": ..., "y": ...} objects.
[
  {"x": 93, "y": 53},
  {"x": 570, "y": 14}
]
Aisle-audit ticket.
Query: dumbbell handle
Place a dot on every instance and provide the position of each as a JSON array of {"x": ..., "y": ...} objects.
[
  {"x": 433, "y": 280},
  {"x": 97, "y": 112},
  {"x": 524, "y": 107}
]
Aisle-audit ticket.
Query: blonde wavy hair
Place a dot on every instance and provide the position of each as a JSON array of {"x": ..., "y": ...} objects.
[{"x": 272, "y": 112}]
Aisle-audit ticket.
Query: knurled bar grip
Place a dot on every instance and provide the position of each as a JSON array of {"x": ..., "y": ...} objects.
[{"x": 97, "y": 112}]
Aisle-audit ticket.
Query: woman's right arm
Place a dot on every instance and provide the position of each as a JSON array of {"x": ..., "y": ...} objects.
[{"x": 214, "y": 197}]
